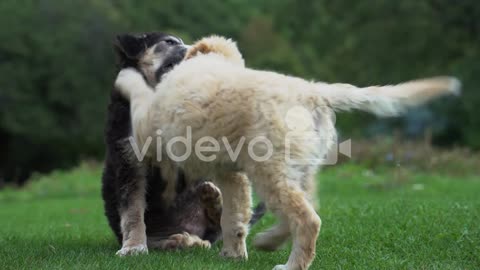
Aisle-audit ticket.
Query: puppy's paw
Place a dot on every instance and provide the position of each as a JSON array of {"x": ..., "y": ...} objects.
[
  {"x": 185, "y": 240},
  {"x": 174, "y": 242},
  {"x": 132, "y": 250},
  {"x": 211, "y": 198},
  {"x": 210, "y": 194},
  {"x": 280, "y": 267},
  {"x": 126, "y": 80},
  {"x": 240, "y": 254}
]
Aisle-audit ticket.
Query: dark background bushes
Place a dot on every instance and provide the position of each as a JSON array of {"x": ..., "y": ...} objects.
[{"x": 57, "y": 64}]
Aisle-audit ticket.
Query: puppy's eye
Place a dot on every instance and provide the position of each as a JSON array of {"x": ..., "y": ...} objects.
[{"x": 171, "y": 42}]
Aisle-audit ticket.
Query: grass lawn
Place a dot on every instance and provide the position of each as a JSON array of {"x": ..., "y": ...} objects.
[{"x": 371, "y": 220}]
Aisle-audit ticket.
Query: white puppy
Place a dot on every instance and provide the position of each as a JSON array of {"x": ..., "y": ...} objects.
[{"x": 214, "y": 96}]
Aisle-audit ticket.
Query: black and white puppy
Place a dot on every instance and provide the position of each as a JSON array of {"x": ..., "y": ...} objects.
[{"x": 142, "y": 210}]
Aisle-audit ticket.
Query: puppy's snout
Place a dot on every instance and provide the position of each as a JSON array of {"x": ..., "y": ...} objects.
[{"x": 183, "y": 50}]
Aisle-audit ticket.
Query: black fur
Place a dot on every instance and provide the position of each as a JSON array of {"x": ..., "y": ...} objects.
[{"x": 187, "y": 213}]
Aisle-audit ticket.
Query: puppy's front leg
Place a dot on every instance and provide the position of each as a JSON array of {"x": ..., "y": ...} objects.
[
  {"x": 132, "y": 209},
  {"x": 131, "y": 85},
  {"x": 236, "y": 214}
]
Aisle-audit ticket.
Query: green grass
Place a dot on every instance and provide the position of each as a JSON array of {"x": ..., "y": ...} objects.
[{"x": 371, "y": 220}]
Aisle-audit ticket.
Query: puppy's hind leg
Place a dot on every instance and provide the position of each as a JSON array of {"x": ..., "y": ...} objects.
[
  {"x": 236, "y": 213},
  {"x": 274, "y": 237},
  {"x": 285, "y": 198}
]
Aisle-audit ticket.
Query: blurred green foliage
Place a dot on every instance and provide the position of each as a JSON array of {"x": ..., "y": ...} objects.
[
  {"x": 57, "y": 62},
  {"x": 372, "y": 219}
]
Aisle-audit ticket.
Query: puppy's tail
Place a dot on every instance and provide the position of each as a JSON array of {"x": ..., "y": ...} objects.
[
  {"x": 258, "y": 213},
  {"x": 390, "y": 100}
]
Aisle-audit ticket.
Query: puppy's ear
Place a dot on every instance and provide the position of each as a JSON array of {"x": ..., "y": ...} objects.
[
  {"x": 201, "y": 47},
  {"x": 130, "y": 46}
]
